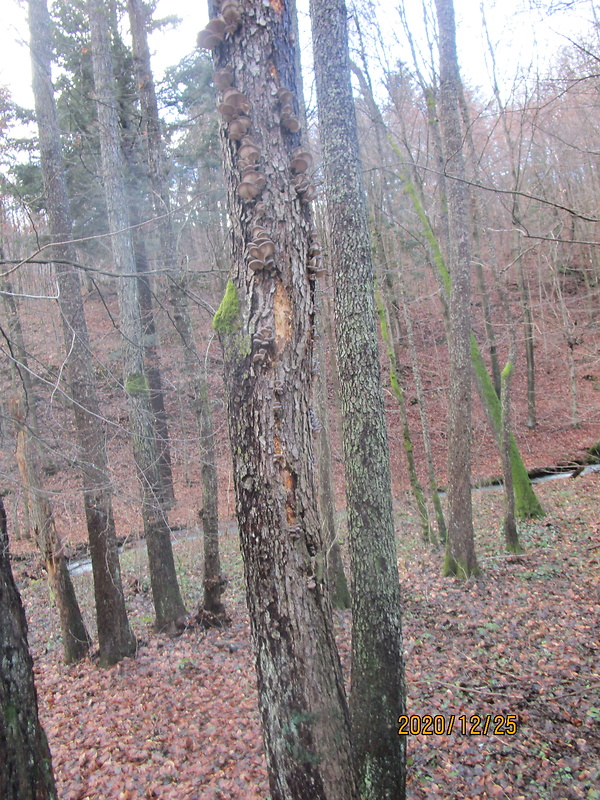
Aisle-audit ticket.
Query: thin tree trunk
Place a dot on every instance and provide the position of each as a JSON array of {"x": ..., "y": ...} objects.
[
  {"x": 428, "y": 535},
  {"x": 528, "y": 327},
  {"x": 168, "y": 604},
  {"x": 340, "y": 594},
  {"x": 460, "y": 547},
  {"x": 511, "y": 535},
  {"x": 265, "y": 327},
  {"x": 433, "y": 484},
  {"x": 75, "y": 639},
  {"x": 476, "y": 215},
  {"x": 26, "y": 772},
  {"x": 116, "y": 639},
  {"x": 152, "y": 364},
  {"x": 214, "y": 582},
  {"x": 527, "y": 504},
  {"x": 377, "y": 657}
]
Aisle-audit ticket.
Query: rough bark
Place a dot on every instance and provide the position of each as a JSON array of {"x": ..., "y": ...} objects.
[
  {"x": 168, "y": 604},
  {"x": 460, "y": 548},
  {"x": 377, "y": 657},
  {"x": 26, "y": 763},
  {"x": 214, "y": 582},
  {"x": 115, "y": 637},
  {"x": 265, "y": 324}
]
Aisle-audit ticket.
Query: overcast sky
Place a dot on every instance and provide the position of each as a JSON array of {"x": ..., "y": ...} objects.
[{"x": 517, "y": 32}]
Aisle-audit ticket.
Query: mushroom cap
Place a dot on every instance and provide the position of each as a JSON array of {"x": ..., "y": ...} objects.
[
  {"x": 259, "y": 232},
  {"x": 300, "y": 164},
  {"x": 247, "y": 190},
  {"x": 238, "y": 128},
  {"x": 254, "y": 177},
  {"x": 216, "y": 26},
  {"x": 227, "y": 111},
  {"x": 260, "y": 210},
  {"x": 309, "y": 195},
  {"x": 256, "y": 265},
  {"x": 223, "y": 78},
  {"x": 301, "y": 183},
  {"x": 291, "y": 124},
  {"x": 208, "y": 40},
  {"x": 249, "y": 152},
  {"x": 254, "y": 253},
  {"x": 284, "y": 95},
  {"x": 301, "y": 154},
  {"x": 266, "y": 249},
  {"x": 232, "y": 15},
  {"x": 233, "y": 96}
]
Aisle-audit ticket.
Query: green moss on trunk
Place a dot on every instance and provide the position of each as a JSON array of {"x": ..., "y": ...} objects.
[
  {"x": 226, "y": 320},
  {"x": 452, "y": 567}
]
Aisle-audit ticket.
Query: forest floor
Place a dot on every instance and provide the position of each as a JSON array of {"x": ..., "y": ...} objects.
[{"x": 517, "y": 647}]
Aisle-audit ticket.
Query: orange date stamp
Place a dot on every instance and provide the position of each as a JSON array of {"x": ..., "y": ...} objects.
[{"x": 441, "y": 725}]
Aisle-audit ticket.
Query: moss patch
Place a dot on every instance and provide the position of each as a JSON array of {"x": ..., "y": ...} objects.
[
  {"x": 226, "y": 320},
  {"x": 137, "y": 384}
]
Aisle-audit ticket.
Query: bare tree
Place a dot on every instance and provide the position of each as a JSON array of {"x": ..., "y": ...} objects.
[
  {"x": 460, "y": 548},
  {"x": 377, "y": 657},
  {"x": 168, "y": 604},
  {"x": 115, "y": 637},
  {"x": 214, "y": 581}
]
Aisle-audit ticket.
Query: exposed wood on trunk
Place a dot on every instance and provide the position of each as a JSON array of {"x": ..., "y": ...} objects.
[{"x": 265, "y": 324}]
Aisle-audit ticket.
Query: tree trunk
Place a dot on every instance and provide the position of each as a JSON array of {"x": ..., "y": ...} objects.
[
  {"x": 115, "y": 637},
  {"x": 526, "y": 502},
  {"x": 26, "y": 772},
  {"x": 427, "y": 531},
  {"x": 168, "y": 604},
  {"x": 460, "y": 548},
  {"x": 214, "y": 582},
  {"x": 338, "y": 585},
  {"x": 511, "y": 536},
  {"x": 377, "y": 657},
  {"x": 75, "y": 639},
  {"x": 152, "y": 364},
  {"x": 265, "y": 324}
]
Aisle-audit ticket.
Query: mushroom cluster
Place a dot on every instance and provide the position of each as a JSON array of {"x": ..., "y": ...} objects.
[
  {"x": 262, "y": 339},
  {"x": 315, "y": 267},
  {"x": 248, "y": 154},
  {"x": 287, "y": 117},
  {"x": 234, "y": 108},
  {"x": 260, "y": 250},
  {"x": 253, "y": 182},
  {"x": 226, "y": 23},
  {"x": 301, "y": 162}
]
